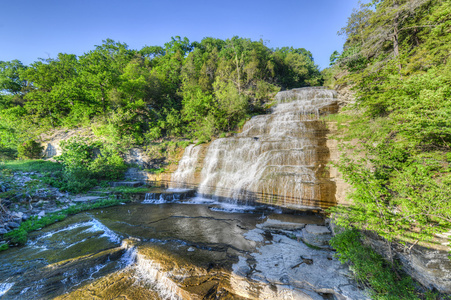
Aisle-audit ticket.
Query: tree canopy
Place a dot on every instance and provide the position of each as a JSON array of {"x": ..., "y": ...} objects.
[{"x": 191, "y": 89}]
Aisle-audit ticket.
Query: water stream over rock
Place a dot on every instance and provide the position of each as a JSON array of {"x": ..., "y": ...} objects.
[
  {"x": 174, "y": 251},
  {"x": 278, "y": 158},
  {"x": 223, "y": 242}
]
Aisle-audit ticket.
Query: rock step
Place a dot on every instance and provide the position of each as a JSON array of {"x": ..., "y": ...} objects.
[
  {"x": 127, "y": 183},
  {"x": 87, "y": 198}
]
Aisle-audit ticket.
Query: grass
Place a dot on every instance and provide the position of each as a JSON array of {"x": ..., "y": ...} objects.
[
  {"x": 312, "y": 246},
  {"x": 385, "y": 280},
  {"x": 38, "y": 165}
]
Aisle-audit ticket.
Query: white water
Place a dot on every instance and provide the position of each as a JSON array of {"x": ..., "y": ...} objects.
[
  {"x": 5, "y": 287},
  {"x": 149, "y": 199},
  {"x": 278, "y": 158},
  {"x": 184, "y": 175},
  {"x": 151, "y": 273}
]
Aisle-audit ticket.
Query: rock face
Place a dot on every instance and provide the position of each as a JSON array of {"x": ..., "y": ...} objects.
[
  {"x": 431, "y": 265},
  {"x": 294, "y": 270}
]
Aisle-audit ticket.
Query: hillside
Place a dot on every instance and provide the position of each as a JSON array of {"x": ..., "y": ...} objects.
[{"x": 396, "y": 60}]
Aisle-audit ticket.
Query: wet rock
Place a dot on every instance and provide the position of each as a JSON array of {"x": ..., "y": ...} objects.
[
  {"x": 271, "y": 224},
  {"x": 255, "y": 235},
  {"x": 316, "y": 235}
]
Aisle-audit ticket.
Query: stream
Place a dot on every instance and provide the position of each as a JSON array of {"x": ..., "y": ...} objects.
[{"x": 190, "y": 249}]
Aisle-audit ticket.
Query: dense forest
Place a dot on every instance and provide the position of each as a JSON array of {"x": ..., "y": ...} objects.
[{"x": 190, "y": 89}]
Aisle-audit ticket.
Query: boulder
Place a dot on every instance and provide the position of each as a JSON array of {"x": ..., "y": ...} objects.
[
  {"x": 316, "y": 235},
  {"x": 13, "y": 225}
]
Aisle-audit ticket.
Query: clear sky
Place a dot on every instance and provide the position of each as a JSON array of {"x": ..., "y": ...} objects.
[{"x": 32, "y": 29}]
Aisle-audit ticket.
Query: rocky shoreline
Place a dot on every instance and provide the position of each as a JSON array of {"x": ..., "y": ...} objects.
[{"x": 27, "y": 196}]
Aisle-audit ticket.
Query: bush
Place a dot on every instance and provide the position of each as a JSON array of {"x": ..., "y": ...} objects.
[
  {"x": 385, "y": 280},
  {"x": 30, "y": 150},
  {"x": 109, "y": 165},
  {"x": 7, "y": 153},
  {"x": 83, "y": 169}
]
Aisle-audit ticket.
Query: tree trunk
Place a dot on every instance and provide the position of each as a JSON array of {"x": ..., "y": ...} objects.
[{"x": 395, "y": 40}]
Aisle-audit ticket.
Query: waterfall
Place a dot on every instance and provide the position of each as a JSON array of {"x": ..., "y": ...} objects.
[
  {"x": 184, "y": 176},
  {"x": 279, "y": 158}
]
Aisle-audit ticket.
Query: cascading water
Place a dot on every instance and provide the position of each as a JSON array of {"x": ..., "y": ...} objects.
[
  {"x": 184, "y": 176},
  {"x": 279, "y": 158}
]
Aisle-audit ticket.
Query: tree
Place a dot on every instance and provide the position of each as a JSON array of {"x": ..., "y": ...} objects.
[
  {"x": 101, "y": 69},
  {"x": 10, "y": 77}
]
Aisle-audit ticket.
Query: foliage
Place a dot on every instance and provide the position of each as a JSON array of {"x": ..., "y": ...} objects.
[
  {"x": 4, "y": 247},
  {"x": 133, "y": 97},
  {"x": 7, "y": 153},
  {"x": 400, "y": 169},
  {"x": 83, "y": 168},
  {"x": 30, "y": 150},
  {"x": 385, "y": 280},
  {"x": 156, "y": 171},
  {"x": 41, "y": 166}
]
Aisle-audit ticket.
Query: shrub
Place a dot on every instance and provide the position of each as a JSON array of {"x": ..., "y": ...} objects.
[
  {"x": 385, "y": 280},
  {"x": 83, "y": 169},
  {"x": 30, "y": 150}
]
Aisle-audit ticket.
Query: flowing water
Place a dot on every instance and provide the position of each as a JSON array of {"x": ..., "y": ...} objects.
[
  {"x": 212, "y": 245},
  {"x": 279, "y": 158},
  {"x": 133, "y": 251}
]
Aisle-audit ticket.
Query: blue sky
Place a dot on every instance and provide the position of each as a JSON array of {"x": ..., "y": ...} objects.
[{"x": 32, "y": 29}]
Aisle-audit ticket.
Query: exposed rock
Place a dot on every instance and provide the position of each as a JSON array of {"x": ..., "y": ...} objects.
[
  {"x": 17, "y": 220},
  {"x": 307, "y": 275},
  {"x": 13, "y": 225},
  {"x": 168, "y": 195},
  {"x": 18, "y": 214},
  {"x": 3, "y": 231},
  {"x": 316, "y": 235},
  {"x": 430, "y": 265},
  {"x": 137, "y": 156},
  {"x": 41, "y": 214},
  {"x": 87, "y": 198},
  {"x": 271, "y": 224},
  {"x": 127, "y": 183},
  {"x": 136, "y": 174}
]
